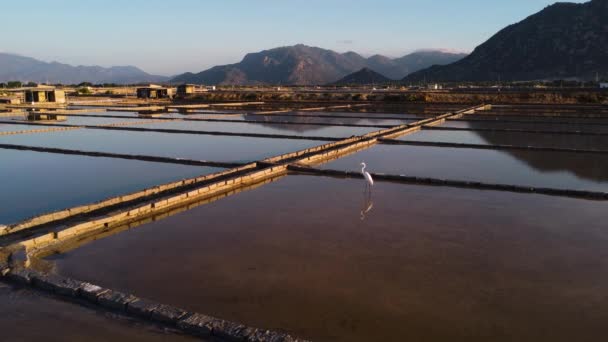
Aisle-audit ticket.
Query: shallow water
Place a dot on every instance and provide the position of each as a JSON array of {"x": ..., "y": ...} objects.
[
  {"x": 529, "y": 126},
  {"x": 304, "y": 120},
  {"x": 426, "y": 263},
  {"x": 369, "y": 115},
  {"x": 31, "y": 316},
  {"x": 545, "y": 119},
  {"x": 189, "y": 146},
  {"x": 16, "y": 127},
  {"x": 93, "y": 121},
  {"x": 566, "y": 141},
  {"x": 34, "y": 183},
  {"x": 530, "y": 168},
  {"x": 267, "y": 128}
]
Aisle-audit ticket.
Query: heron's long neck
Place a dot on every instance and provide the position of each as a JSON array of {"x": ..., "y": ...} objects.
[{"x": 363, "y": 168}]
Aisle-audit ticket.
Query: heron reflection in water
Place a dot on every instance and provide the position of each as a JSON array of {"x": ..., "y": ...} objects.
[{"x": 368, "y": 204}]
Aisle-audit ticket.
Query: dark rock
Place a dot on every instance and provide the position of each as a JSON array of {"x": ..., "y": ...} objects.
[
  {"x": 228, "y": 330},
  {"x": 20, "y": 275},
  {"x": 115, "y": 300},
  {"x": 91, "y": 292},
  {"x": 58, "y": 284},
  {"x": 197, "y": 324},
  {"x": 142, "y": 307},
  {"x": 168, "y": 314},
  {"x": 260, "y": 335}
]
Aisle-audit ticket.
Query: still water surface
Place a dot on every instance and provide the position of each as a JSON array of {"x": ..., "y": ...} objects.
[
  {"x": 563, "y": 170},
  {"x": 31, "y": 316},
  {"x": 423, "y": 263},
  {"x": 35, "y": 183},
  {"x": 527, "y": 126},
  {"x": 188, "y": 146},
  {"x": 566, "y": 141}
]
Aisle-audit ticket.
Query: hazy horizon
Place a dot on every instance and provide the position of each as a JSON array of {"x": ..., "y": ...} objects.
[{"x": 167, "y": 39}]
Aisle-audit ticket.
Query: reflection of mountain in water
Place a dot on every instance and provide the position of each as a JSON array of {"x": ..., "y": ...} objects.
[
  {"x": 303, "y": 122},
  {"x": 584, "y": 165}
]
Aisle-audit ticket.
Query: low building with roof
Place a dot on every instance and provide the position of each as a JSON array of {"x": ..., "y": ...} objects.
[
  {"x": 41, "y": 94},
  {"x": 154, "y": 91}
]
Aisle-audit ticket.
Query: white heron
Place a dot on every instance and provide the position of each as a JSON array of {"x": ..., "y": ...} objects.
[{"x": 366, "y": 175}]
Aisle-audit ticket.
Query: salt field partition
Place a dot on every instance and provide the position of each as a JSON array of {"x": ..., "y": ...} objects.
[
  {"x": 266, "y": 128},
  {"x": 563, "y": 170},
  {"x": 94, "y": 120},
  {"x": 187, "y": 146},
  {"x": 536, "y": 126},
  {"x": 384, "y": 271},
  {"x": 36, "y": 183},
  {"x": 133, "y": 113},
  {"x": 302, "y": 119},
  {"x": 564, "y": 141},
  {"x": 370, "y": 115},
  {"x": 16, "y": 127},
  {"x": 545, "y": 119}
]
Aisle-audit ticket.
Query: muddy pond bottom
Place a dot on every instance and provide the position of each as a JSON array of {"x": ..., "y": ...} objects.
[{"x": 320, "y": 258}]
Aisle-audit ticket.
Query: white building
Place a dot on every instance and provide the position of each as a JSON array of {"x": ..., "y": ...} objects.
[{"x": 603, "y": 85}]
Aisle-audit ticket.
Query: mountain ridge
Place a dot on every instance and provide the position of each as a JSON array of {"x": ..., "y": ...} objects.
[
  {"x": 562, "y": 41},
  {"x": 15, "y": 67},
  {"x": 306, "y": 65},
  {"x": 363, "y": 76}
]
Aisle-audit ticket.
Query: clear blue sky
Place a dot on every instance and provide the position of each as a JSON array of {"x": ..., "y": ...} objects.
[{"x": 169, "y": 37}]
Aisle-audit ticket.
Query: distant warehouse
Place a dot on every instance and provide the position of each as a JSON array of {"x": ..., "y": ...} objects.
[
  {"x": 186, "y": 90},
  {"x": 10, "y": 100},
  {"x": 154, "y": 92},
  {"x": 41, "y": 94}
]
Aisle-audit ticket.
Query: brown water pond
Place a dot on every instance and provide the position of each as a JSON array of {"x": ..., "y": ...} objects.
[
  {"x": 320, "y": 258},
  {"x": 31, "y": 316}
]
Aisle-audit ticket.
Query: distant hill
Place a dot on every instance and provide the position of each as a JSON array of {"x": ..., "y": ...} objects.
[
  {"x": 306, "y": 65},
  {"x": 565, "y": 40},
  {"x": 19, "y": 68},
  {"x": 398, "y": 68},
  {"x": 363, "y": 76}
]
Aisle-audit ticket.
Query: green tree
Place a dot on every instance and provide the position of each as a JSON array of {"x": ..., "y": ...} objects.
[{"x": 14, "y": 84}]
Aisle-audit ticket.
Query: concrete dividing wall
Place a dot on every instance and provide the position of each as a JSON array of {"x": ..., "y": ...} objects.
[
  {"x": 155, "y": 159},
  {"x": 514, "y": 130},
  {"x": 591, "y": 195},
  {"x": 159, "y": 189},
  {"x": 306, "y": 157},
  {"x": 137, "y": 211},
  {"x": 313, "y": 109},
  {"x": 40, "y": 247},
  {"x": 489, "y": 147},
  {"x": 44, "y": 130}
]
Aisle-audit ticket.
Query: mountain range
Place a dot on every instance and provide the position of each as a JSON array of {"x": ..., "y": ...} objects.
[
  {"x": 363, "y": 76},
  {"x": 19, "y": 68},
  {"x": 307, "y": 65},
  {"x": 563, "y": 41}
]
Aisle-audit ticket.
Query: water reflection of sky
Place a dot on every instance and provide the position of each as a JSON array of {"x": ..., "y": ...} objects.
[
  {"x": 35, "y": 183},
  {"x": 188, "y": 146},
  {"x": 392, "y": 276},
  {"x": 528, "y": 168}
]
